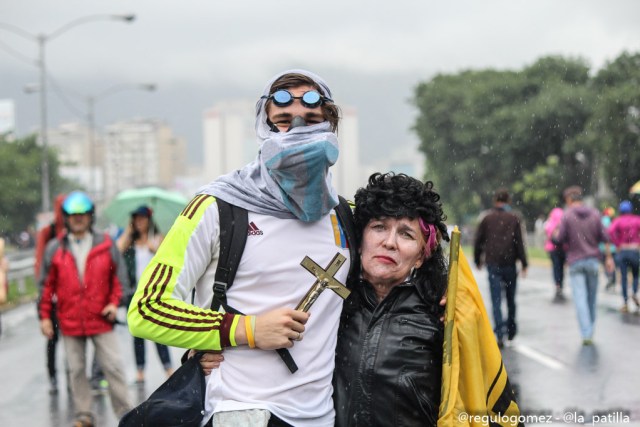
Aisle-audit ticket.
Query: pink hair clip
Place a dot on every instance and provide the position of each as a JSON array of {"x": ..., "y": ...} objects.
[{"x": 429, "y": 231}]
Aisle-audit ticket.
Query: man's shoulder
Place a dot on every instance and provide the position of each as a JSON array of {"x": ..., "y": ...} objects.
[
  {"x": 102, "y": 240},
  {"x": 500, "y": 214},
  {"x": 53, "y": 244}
]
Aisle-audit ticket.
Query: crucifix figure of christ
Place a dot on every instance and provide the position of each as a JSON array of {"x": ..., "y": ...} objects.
[{"x": 324, "y": 280}]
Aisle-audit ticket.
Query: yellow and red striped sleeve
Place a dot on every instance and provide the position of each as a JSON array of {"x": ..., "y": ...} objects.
[{"x": 159, "y": 310}]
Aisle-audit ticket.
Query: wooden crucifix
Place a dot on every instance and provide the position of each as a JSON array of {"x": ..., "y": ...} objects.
[{"x": 324, "y": 280}]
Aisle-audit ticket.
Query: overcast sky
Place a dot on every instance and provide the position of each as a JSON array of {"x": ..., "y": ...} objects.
[{"x": 372, "y": 53}]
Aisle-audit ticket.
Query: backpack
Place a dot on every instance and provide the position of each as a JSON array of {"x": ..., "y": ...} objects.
[{"x": 233, "y": 236}]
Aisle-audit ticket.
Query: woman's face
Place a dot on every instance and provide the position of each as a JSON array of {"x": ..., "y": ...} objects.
[
  {"x": 141, "y": 223},
  {"x": 391, "y": 247}
]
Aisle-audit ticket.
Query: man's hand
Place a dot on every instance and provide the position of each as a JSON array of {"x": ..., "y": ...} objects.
[
  {"x": 109, "y": 312},
  {"x": 523, "y": 273},
  {"x": 46, "y": 327},
  {"x": 210, "y": 360},
  {"x": 276, "y": 329}
]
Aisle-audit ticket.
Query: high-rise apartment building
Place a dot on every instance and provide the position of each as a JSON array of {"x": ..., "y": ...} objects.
[
  {"x": 141, "y": 152},
  {"x": 229, "y": 137},
  {"x": 131, "y": 153},
  {"x": 71, "y": 142}
]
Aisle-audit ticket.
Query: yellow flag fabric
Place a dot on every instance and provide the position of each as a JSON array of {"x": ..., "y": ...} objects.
[{"x": 475, "y": 387}]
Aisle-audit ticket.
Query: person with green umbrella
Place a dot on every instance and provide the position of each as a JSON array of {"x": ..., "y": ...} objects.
[{"x": 166, "y": 205}]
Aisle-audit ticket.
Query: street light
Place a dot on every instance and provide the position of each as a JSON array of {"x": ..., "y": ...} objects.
[
  {"x": 91, "y": 103},
  {"x": 41, "y": 40}
]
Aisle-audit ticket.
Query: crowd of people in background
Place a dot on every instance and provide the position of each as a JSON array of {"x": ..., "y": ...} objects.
[
  {"x": 616, "y": 238},
  {"x": 577, "y": 238}
]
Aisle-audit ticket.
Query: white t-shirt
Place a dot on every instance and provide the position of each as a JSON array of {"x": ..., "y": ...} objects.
[
  {"x": 270, "y": 276},
  {"x": 80, "y": 249},
  {"x": 143, "y": 258}
]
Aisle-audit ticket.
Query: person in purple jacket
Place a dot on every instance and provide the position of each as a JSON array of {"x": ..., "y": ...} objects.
[
  {"x": 581, "y": 231},
  {"x": 625, "y": 234}
]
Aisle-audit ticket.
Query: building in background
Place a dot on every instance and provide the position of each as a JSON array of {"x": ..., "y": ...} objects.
[
  {"x": 7, "y": 118},
  {"x": 71, "y": 141},
  {"x": 407, "y": 159},
  {"x": 347, "y": 172},
  {"x": 141, "y": 152},
  {"x": 230, "y": 143},
  {"x": 131, "y": 153},
  {"x": 229, "y": 137}
]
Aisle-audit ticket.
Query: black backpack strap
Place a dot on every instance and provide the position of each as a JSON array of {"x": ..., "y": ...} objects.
[
  {"x": 234, "y": 222},
  {"x": 233, "y": 237},
  {"x": 345, "y": 216}
]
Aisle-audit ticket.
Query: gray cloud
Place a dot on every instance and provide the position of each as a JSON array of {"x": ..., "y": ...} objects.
[{"x": 372, "y": 52}]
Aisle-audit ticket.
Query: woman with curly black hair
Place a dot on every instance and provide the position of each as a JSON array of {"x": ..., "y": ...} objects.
[{"x": 389, "y": 353}]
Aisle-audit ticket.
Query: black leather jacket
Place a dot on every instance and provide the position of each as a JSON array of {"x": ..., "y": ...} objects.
[{"x": 388, "y": 359}]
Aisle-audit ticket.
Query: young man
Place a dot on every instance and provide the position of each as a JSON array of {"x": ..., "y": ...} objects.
[
  {"x": 85, "y": 271},
  {"x": 581, "y": 231},
  {"x": 499, "y": 240},
  {"x": 288, "y": 193}
]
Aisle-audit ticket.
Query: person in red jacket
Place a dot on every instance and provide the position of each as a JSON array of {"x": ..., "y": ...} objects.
[
  {"x": 85, "y": 271},
  {"x": 45, "y": 235}
]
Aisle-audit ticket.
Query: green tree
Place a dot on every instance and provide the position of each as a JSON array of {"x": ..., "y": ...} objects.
[
  {"x": 481, "y": 130},
  {"x": 539, "y": 189},
  {"x": 20, "y": 182},
  {"x": 613, "y": 131}
]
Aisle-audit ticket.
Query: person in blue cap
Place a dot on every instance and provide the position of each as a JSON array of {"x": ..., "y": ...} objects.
[
  {"x": 625, "y": 234},
  {"x": 86, "y": 272}
]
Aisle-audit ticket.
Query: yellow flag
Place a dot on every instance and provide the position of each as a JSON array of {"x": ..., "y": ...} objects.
[{"x": 475, "y": 387}]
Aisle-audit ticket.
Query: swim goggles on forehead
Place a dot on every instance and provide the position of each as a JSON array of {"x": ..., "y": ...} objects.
[{"x": 310, "y": 99}]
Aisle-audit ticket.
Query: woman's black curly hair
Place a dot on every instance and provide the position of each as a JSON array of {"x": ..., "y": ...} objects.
[{"x": 401, "y": 196}]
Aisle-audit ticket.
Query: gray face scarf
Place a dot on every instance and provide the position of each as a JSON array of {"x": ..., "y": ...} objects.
[{"x": 290, "y": 178}]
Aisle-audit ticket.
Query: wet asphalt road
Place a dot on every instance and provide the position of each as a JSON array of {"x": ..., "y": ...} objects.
[
  {"x": 24, "y": 387},
  {"x": 553, "y": 374}
]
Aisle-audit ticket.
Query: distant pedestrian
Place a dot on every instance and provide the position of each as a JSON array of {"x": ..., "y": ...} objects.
[
  {"x": 499, "y": 242},
  {"x": 608, "y": 214},
  {"x": 45, "y": 235},
  {"x": 4, "y": 282},
  {"x": 85, "y": 270},
  {"x": 138, "y": 244},
  {"x": 581, "y": 230},
  {"x": 625, "y": 234},
  {"x": 556, "y": 252}
]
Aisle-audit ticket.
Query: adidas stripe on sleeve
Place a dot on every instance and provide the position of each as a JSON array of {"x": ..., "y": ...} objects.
[{"x": 159, "y": 310}]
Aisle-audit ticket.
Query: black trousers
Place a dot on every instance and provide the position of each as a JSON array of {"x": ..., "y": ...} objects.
[{"x": 52, "y": 344}]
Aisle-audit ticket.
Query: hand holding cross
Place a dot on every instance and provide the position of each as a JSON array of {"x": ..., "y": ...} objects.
[{"x": 324, "y": 280}]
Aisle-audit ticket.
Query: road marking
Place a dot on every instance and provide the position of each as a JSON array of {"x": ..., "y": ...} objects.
[{"x": 538, "y": 357}]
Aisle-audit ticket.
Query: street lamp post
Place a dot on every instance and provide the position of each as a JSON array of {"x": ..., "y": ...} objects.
[
  {"x": 91, "y": 103},
  {"x": 42, "y": 40}
]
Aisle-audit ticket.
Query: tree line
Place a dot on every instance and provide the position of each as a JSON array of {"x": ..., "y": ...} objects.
[
  {"x": 534, "y": 131},
  {"x": 21, "y": 182}
]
